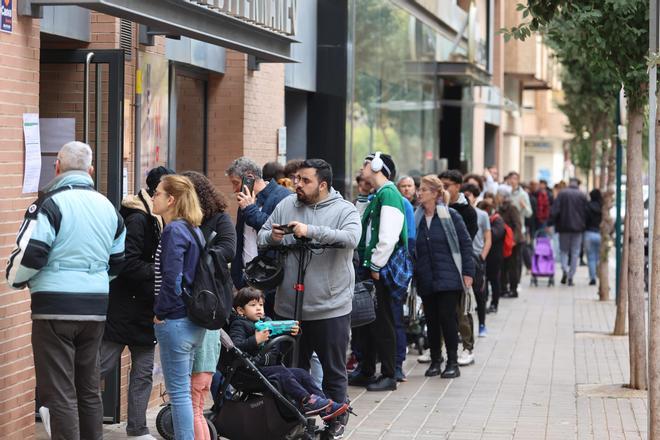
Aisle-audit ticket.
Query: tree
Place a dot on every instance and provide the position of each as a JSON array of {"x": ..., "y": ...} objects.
[{"x": 613, "y": 37}]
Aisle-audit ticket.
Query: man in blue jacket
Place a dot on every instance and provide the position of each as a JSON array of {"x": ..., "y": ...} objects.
[
  {"x": 255, "y": 205},
  {"x": 70, "y": 245}
]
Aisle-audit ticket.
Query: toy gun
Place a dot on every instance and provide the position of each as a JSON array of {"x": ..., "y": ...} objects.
[{"x": 275, "y": 327}]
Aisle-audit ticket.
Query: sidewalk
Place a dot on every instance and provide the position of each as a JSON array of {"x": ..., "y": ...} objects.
[{"x": 547, "y": 370}]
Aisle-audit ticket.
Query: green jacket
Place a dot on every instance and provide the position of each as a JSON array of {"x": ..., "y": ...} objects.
[{"x": 383, "y": 227}]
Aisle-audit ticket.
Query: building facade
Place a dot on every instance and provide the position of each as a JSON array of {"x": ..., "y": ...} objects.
[{"x": 187, "y": 84}]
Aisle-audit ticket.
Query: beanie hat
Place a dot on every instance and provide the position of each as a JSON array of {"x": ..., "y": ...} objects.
[
  {"x": 153, "y": 178},
  {"x": 389, "y": 169}
]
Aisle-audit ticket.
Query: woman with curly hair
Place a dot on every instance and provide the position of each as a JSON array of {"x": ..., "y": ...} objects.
[{"x": 222, "y": 249}]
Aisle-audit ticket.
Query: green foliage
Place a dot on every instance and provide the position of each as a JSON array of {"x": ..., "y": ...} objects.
[
  {"x": 604, "y": 35},
  {"x": 580, "y": 150}
]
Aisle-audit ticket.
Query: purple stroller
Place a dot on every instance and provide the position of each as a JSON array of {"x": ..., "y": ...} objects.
[{"x": 543, "y": 260}]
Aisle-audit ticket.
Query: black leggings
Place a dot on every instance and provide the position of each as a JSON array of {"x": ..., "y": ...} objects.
[
  {"x": 493, "y": 271},
  {"x": 440, "y": 312}
]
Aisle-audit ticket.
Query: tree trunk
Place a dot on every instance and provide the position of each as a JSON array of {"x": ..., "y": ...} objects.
[
  {"x": 654, "y": 299},
  {"x": 635, "y": 213},
  {"x": 622, "y": 302},
  {"x": 594, "y": 155},
  {"x": 607, "y": 186},
  {"x": 607, "y": 152}
]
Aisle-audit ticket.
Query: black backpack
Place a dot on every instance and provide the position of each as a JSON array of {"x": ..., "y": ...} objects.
[{"x": 208, "y": 300}]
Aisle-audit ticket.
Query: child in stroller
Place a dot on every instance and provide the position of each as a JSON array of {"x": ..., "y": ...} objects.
[{"x": 296, "y": 383}]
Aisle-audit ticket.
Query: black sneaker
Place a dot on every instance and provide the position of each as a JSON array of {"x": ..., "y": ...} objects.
[
  {"x": 592, "y": 282},
  {"x": 570, "y": 282},
  {"x": 451, "y": 371},
  {"x": 492, "y": 309},
  {"x": 564, "y": 277},
  {"x": 383, "y": 384},
  {"x": 360, "y": 380},
  {"x": 434, "y": 370}
]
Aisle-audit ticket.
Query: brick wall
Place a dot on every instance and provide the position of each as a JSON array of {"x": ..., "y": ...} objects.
[
  {"x": 245, "y": 110},
  {"x": 19, "y": 93}
]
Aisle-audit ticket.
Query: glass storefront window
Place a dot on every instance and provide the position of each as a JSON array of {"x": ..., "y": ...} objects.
[{"x": 391, "y": 110}]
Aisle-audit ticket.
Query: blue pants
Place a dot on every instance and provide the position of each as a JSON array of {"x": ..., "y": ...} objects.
[
  {"x": 570, "y": 244},
  {"x": 399, "y": 330},
  {"x": 177, "y": 340},
  {"x": 295, "y": 383},
  {"x": 592, "y": 248}
]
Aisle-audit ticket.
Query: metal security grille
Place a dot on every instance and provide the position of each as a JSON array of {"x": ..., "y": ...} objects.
[{"x": 126, "y": 38}]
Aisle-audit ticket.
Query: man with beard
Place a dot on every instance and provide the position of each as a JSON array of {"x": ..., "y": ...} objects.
[{"x": 319, "y": 213}]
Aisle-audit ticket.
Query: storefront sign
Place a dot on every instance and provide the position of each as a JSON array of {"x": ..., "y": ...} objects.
[
  {"x": 276, "y": 15},
  {"x": 7, "y": 15}
]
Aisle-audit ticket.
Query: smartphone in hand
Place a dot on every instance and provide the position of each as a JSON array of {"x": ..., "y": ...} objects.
[
  {"x": 249, "y": 182},
  {"x": 286, "y": 229}
]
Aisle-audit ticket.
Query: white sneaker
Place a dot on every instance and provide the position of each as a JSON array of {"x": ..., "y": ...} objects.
[
  {"x": 44, "y": 413},
  {"x": 466, "y": 358},
  {"x": 142, "y": 437},
  {"x": 424, "y": 359}
]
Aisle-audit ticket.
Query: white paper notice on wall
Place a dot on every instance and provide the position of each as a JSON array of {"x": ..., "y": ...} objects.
[{"x": 32, "y": 152}]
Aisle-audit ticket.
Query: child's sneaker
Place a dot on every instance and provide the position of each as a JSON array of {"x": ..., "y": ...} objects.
[
  {"x": 316, "y": 405},
  {"x": 334, "y": 411}
]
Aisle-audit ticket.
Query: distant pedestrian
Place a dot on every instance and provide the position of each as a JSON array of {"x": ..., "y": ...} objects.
[
  {"x": 70, "y": 245},
  {"x": 494, "y": 261},
  {"x": 443, "y": 269},
  {"x": 569, "y": 212},
  {"x": 510, "y": 275},
  {"x": 592, "y": 233},
  {"x": 480, "y": 248},
  {"x": 130, "y": 320},
  {"x": 452, "y": 181},
  {"x": 407, "y": 188}
]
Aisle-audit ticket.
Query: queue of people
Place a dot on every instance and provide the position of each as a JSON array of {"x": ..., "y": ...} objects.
[{"x": 453, "y": 238}]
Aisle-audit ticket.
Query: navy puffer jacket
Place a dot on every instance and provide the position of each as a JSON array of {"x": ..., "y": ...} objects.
[{"x": 435, "y": 270}]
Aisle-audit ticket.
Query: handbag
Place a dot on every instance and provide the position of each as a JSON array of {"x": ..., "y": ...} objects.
[
  {"x": 397, "y": 273},
  {"x": 364, "y": 304}
]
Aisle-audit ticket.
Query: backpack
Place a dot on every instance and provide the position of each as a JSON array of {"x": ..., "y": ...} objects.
[
  {"x": 509, "y": 240},
  {"x": 542, "y": 207},
  {"x": 208, "y": 301}
]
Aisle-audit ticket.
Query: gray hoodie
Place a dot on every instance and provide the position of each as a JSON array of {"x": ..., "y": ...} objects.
[{"x": 330, "y": 277}]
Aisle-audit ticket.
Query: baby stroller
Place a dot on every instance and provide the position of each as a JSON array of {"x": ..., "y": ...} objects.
[
  {"x": 255, "y": 399},
  {"x": 543, "y": 260},
  {"x": 248, "y": 406}
]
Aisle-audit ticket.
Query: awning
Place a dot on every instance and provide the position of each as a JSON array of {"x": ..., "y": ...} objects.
[
  {"x": 266, "y": 33},
  {"x": 460, "y": 72}
]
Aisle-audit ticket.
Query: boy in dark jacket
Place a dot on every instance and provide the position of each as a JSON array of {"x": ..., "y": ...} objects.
[{"x": 296, "y": 383}]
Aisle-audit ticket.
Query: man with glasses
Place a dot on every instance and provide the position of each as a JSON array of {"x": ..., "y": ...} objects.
[
  {"x": 319, "y": 213},
  {"x": 452, "y": 181},
  {"x": 254, "y": 206}
]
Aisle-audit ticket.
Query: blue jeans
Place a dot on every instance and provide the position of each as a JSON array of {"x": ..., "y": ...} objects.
[
  {"x": 592, "y": 248},
  {"x": 177, "y": 339},
  {"x": 570, "y": 244}
]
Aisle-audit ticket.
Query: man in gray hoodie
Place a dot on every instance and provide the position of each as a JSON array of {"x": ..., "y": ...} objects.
[{"x": 319, "y": 213}]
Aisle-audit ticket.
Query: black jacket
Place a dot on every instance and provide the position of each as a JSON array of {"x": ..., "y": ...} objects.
[
  {"x": 469, "y": 215},
  {"x": 497, "y": 247},
  {"x": 569, "y": 210},
  {"x": 130, "y": 308},
  {"x": 594, "y": 216},
  {"x": 255, "y": 216},
  {"x": 241, "y": 331},
  {"x": 435, "y": 270}
]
